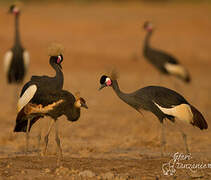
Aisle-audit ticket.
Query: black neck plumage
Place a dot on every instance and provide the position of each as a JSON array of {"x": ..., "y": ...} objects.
[
  {"x": 17, "y": 33},
  {"x": 123, "y": 96},
  {"x": 76, "y": 113},
  {"x": 59, "y": 77},
  {"x": 147, "y": 41}
]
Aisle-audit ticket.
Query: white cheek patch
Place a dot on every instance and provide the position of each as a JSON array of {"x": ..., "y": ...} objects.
[
  {"x": 176, "y": 69},
  {"x": 149, "y": 27},
  {"x": 108, "y": 81},
  {"x": 7, "y": 60},
  {"x": 59, "y": 59},
  {"x": 26, "y": 59},
  {"x": 16, "y": 10},
  {"x": 182, "y": 112},
  {"x": 26, "y": 97}
]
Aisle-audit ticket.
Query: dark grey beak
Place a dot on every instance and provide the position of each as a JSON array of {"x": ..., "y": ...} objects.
[
  {"x": 102, "y": 86},
  {"x": 84, "y": 105}
]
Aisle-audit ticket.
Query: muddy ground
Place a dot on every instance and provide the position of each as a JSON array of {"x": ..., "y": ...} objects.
[{"x": 110, "y": 140}]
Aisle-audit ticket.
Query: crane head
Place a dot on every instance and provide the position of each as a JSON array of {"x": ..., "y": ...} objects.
[
  {"x": 57, "y": 60},
  {"x": 105, "y": 81},
  {"x": 14, "y": 9},
  {"x": 55, "y": 51},
  {"x": 80, "y": 102},
  {"x": 148, "y": 26}
]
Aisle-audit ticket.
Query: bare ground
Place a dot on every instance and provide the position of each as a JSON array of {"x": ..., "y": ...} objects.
[{"x": 110, "y": 140}]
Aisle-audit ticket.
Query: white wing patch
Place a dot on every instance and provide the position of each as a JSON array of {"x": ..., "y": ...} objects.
[
  {"x": 7, "y": 61},
  {"x": 26, "y": 59},
  {"x": 182, "y": 112},
  {"x": 26, "y": 97},
  {"x": 176, "y": 69}
]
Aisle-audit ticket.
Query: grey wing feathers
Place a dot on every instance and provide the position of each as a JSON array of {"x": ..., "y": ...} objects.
[
  {"x": 163, "y": 96},
  {"x": 38, "y": 78},
  {"x": 162, "y": 56}
]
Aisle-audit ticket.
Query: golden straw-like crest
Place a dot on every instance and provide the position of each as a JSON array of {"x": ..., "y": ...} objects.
[
  {"x": 112, "y": 73},
  {"x": 18, "y": 3},
  {"x": 55, "y": 49},
  {"x": 77, "y": 95}
]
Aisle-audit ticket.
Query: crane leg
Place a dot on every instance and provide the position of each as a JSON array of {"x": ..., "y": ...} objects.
[
  {"x": 46, "y": 136},
  {"x": 57, "y": 139},
  {"x": 27, "y": 134},
  {"x": 16, "y": 92},
  {"x": 161, "y": 77},
  {"x": 38, "y": 141},
  {"x": 184, "y": 136},
  {"x": 163, "y": 139}
]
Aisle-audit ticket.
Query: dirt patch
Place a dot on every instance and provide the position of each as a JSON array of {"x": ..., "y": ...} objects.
[{"x": 110, "y": 140}]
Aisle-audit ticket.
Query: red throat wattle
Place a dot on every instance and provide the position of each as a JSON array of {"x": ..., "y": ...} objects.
[
  {"x": 108, "y": 82},
  {"x": 149, "y": 28},
  {"x": 58, "y": 59},
  {"x": 16, "y": 11}
]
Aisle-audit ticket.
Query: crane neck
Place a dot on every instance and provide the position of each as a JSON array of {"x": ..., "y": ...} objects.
[
  {"x": 17, "y": 33},
  {"x": 147, "y": 40},
  {"x": 76, "y": 112},
  {"x": 115, "y": 87},
  {"x": 59, "y": 77},
  {"x": 128, "y": 98},
  {"x": 117, "y": 90}
]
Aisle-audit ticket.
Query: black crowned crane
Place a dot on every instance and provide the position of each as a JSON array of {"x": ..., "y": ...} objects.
[
  {"x": 16, "y": 60},
  {"x": 164, "y": 103},
  {"x": 54, "y": 104},
  {"x": 40, "y": 86},
  {"x": 164, "y": 62}
]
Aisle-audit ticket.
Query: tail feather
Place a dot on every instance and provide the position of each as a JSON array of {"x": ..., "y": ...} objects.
[
  {"x": 22, "y": 120},
  {"x": 198, "y": 119}
]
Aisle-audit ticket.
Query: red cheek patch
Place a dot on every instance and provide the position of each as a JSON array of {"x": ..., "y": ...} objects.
[
  {"x": 15, "y": 11},
  {"x": 58, "y": 60},
  {"x": 108, "y": 83},
  {"x": 149, "y": 28}
]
